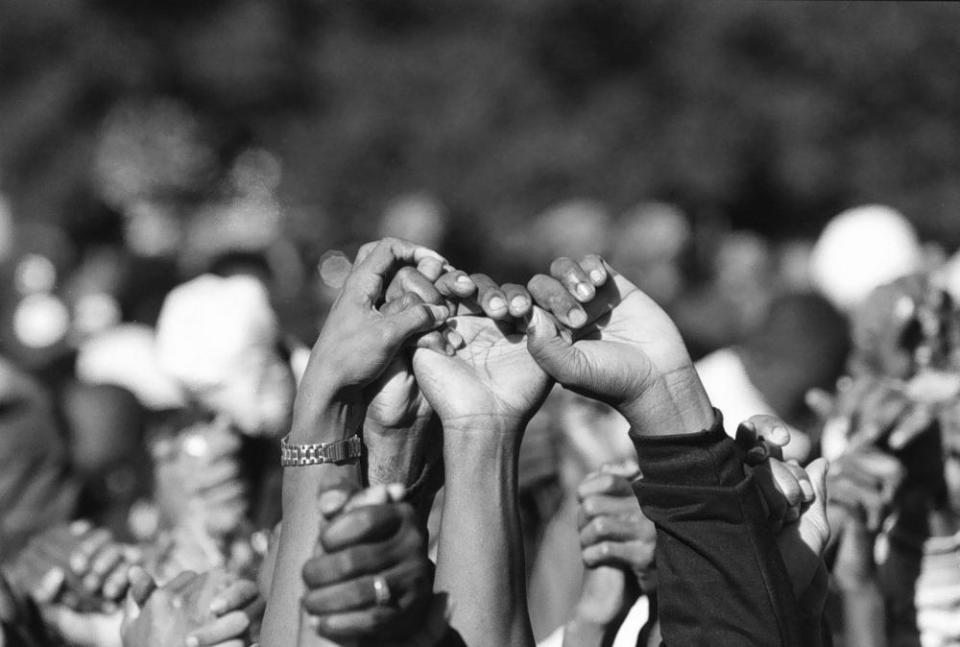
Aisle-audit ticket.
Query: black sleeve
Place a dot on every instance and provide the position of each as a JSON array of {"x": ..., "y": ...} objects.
[{"x": 722, "y": 581}]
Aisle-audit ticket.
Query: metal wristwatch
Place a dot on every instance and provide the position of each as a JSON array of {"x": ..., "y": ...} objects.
[{"x": 341, "y": 451}]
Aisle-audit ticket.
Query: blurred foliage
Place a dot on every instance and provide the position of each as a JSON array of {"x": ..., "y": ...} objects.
[{"x": 770, "y": 115}]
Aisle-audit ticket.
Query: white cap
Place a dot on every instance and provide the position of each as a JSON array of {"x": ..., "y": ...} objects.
[
  {"x": 208, "y": 325},
  {"x": 126, "y": 356},
  {"x": 861, "y": 249}
]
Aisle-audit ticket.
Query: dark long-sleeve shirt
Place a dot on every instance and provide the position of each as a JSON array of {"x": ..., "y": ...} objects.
[{"x": 722, "y": 580}]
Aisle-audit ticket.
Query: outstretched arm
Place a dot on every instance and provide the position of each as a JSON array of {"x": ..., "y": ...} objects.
[
  {"x": 720, "y": 569},
  {"x": 484, "y": 395},
  {"x": 356, "y": 345}
]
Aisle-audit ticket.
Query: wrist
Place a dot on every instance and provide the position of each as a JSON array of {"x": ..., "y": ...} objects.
[
  {"x": 676, "y": 403},
  {"x": 395, "y": 454},
  {"x": 324, "y": 420},
  {"x": 473, "y": 451}
]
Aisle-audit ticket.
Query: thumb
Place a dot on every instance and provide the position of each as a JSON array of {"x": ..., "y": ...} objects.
[
  {"x": 142, "y": 585},
  {"x": 814, "y": 527},
  {"x": 553, "y": 351},
  {"x": 415, "y": 319}
]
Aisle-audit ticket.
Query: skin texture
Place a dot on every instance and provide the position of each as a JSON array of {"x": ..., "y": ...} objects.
[
  {"x": 76, "y": 576},
  {"x": 371, "y": 533},
  {"x": 357, "y": 344},
  {"x": 205, "y": 610}
]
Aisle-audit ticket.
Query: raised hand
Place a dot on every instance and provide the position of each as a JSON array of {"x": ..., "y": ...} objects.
[
  {"x": 595, "y": 332},
  {"x": 210, "y": 609},
  {"x": 76, "y": 577},
  {"x": 358, "y": 341},
  {"x": 796, "y": 500},
  {"x": 400, "y": 429},
  {"x": 370, "y": 577},
  {"x": 78, "y": 566},
  {"x": 617, "y": 546},
  {"x": 613, "y": 530}
]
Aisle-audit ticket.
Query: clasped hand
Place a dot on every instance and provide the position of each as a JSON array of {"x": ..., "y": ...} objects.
[{"x": 410, "y": 337}]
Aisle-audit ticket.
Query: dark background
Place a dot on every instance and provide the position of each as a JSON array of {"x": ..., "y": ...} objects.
[{"x": 772, "y": 115}]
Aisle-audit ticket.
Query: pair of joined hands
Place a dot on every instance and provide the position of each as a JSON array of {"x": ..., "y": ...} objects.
[
  {"x": 411, "y": 342},
  {"x": 88, "y": 589},
  {"x": 411, "y": 339},
  {"x": 485, "y": 355},
  {"x": 618, "y": 541}
]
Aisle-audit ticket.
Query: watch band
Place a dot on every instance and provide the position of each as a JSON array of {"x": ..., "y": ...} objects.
[{"x": 341, "y": 451}]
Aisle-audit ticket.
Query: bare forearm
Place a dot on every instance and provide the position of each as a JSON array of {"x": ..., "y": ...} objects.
[
  {"x": 480, "y": 562},
  {"x": 284, "y": 622},
  {"x": 864, "y": 617}
]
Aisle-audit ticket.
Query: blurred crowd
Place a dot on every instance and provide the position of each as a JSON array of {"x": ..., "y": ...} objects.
[{"x": 151, "y": 358}]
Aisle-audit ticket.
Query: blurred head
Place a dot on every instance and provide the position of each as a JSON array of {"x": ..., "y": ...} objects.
[
  {"x": 220, "y": 338},
  {"x": 647, "y": 247},
  {"x": 126, "y": 356},
  {"x": 418, "y": 217},
  {"x": 860, "y": 250},
  {"x": 802, "y": 344},
  {"x": 573, "y": 228}
]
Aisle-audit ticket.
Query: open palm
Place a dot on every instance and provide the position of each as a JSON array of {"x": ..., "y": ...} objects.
[{"x": 491, "y": 380}]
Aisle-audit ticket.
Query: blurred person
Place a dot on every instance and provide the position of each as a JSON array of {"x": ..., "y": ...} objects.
[
  {"x": 891, "y": 431},
  {"x": 220, "y": 340},
  {"x": 861, "y": 249},
  {"x": 37, "y": 486},
  {"x": 203, "y": 493},
  {"x": 419, "y": 217},
  {"x": 648, "y": 243},
  {"x": 802, "y": 344},
  {"x": 571, "y": 228},
  {"x": 948, "y": 276},
  {"x": 729, "y": 306}
]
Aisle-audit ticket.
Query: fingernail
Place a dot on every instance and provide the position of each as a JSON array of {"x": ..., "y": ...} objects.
[
  {"x": 577, "y": 317},
  {"x": 440, "y": 312},
  {"x": 78, "y": 563},
  {"x": 332, "y": 501},
  {"x": 597, "y": 276},
  {"x": 497, "y": 304},
  {"x": 218, "y": 606},
  {"x": 584, "y": 291},
  {"x": 519, "y": 303},
  {"x": 79, "y": 527},
  {"x": 807, "y": 490},
  {"x": 463, "y": 279},
  {"x": 192, "y": 641}
]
